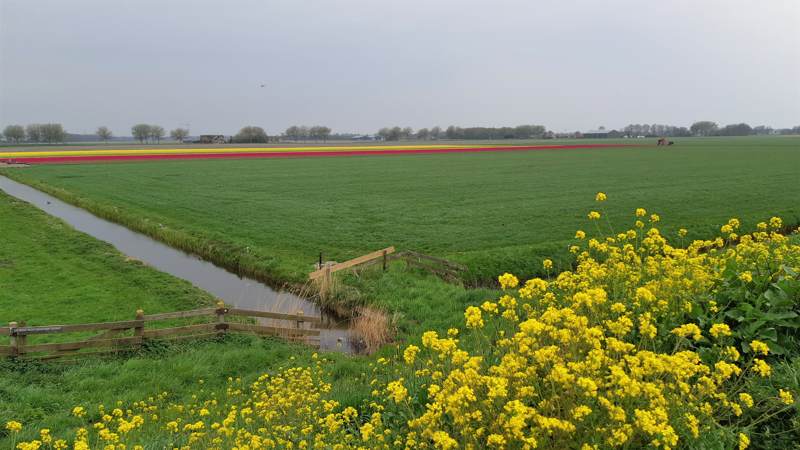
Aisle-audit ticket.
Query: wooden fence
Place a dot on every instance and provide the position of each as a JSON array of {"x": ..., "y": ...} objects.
[
  {"x": 448, "y": 270},
  {"x": 137, "y": 332}
]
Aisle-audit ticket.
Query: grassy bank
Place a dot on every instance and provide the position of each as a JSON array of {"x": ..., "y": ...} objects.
[{"x": 51, "y": 273}]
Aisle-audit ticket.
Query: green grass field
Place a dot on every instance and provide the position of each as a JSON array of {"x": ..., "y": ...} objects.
[{"x": 494, "y": 211}]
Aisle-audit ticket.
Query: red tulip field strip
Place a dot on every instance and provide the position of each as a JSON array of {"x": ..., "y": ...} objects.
[{"x": 296, "y": 154}]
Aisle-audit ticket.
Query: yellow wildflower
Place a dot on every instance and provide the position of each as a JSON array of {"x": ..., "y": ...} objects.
[
  {"x": 473, "y": 317},
  {"x": 744, "y": 441},
  {"x": 13, "y": 426},
  {"x": 786, "y": 397},
  {"x": 508, "y": 281},
  {"x": 719, "y": 329},
  {"x": 759, "y": 347}
]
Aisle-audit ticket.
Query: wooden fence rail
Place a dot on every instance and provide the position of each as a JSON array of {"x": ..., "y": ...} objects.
[
  {"x": 110, "y": 341},
  {"x": 448, "y": 270}
]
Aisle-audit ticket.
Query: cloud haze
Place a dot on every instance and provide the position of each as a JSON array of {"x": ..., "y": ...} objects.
[{"x": 360, "y": 65}]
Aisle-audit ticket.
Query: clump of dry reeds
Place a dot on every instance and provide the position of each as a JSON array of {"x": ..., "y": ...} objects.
[{"x": 371, "y": 329}]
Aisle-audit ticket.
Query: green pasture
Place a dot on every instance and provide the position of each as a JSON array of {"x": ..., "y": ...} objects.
[{"x": 496, "y": 212}]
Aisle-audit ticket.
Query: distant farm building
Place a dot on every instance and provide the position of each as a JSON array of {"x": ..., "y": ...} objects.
[
  {"x": 366, "y": 137},
  {"x": 213, "y": 139}
]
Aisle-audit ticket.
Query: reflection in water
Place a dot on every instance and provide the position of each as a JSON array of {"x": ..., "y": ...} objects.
[{"x": 244, "y": 293}]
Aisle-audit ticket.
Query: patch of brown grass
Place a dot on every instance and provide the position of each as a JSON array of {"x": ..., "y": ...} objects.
[{"x": 371, "y": 329}]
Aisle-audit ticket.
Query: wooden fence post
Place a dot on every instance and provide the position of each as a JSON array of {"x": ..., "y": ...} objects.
[
  {"x": 384, "y": 260},
  {"x": 14, "y": 339},
  {"x": 326, "y": 282},
  {"x": 221, "y": 310},
  {"x": 138, "y": 330},
  {"x": 299, "y": 323},
  {"x": 22, "y": 340}
]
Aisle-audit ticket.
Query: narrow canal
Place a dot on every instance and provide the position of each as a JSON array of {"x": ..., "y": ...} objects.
[{"x": 232, "y": 289}]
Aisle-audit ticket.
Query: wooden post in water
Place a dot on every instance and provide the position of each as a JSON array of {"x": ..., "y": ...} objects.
[
  {"x": 299, "y": 323},
  {"x": 326, "y": 283}
]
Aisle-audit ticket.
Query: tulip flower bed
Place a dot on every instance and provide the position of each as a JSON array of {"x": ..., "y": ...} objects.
[
  {"x": 651, "y": 341},
  {"x": 95, "y": 156}
]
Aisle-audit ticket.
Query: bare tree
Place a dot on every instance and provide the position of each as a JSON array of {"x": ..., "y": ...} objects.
[
  {"x": 156, "y": 133},
  {"x": 141, "y": 132},
  {"x": 14, "y": 133},
  {"x": 33, "y": 132},
  {"x": 319, "y": 132},
  {"x": 423, "y": 134},
  {"x": 304, "y": 132},
  {"x": 323, "y": 133},
  {"x": 45, "y": 132},
  {"x": 179, "y": 134},
  {"x": 104, "y": 133},
  {"x": 436, "y": 132},
  {"x": 293, "y": 132}
]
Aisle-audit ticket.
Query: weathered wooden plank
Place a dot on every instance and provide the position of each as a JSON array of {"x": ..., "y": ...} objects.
[
  {"x": 5, "y": 331},
  {"x": 272, "y": 331},
  {"x": 181, "y": 314},
  {"x": 24, "y": 331},
  {"x": 179, "y": 330},
  {"x": 353, "y": 262},
  {"x": 6, "y": 350},
  {"x": 273, "y": 315},
  {"x": 61, "y": 357},
  {"x": 64, "y": 346},
  {"x": 108, "y": 334}
]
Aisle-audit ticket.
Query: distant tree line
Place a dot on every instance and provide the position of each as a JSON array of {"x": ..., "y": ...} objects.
[
  {"x": 316, "y": 133},
  {"x": 35, "y": 132},
  {"x": 654, "y": 130},
  {"x": 454, "y": 132},
  {"x": 701, "y": 128},
  {"x": 709, "y": 128},
  {"x": 145, "y": 133}
]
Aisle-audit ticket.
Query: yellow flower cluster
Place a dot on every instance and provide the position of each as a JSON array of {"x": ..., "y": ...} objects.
[
  {"x": 291, "y": 409},
  {"x": 602, "y": 356}
]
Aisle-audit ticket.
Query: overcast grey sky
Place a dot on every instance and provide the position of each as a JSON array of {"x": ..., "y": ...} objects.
[{"x": 357, "y": 65}]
